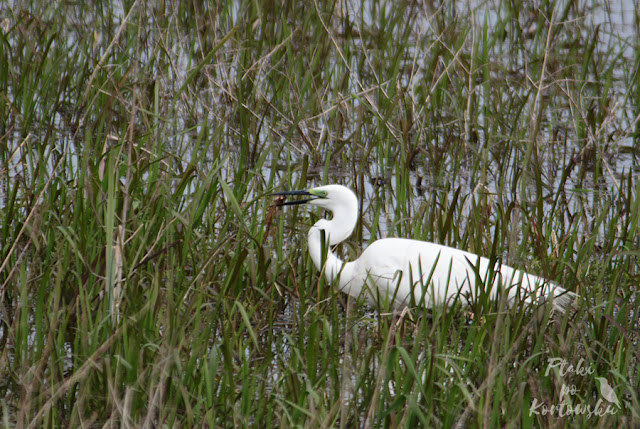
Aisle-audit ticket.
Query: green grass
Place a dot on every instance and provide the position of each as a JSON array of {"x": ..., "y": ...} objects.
[{"x": 145, "y": 279}]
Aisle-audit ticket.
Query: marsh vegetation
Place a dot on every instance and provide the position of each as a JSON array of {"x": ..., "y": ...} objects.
[{"x": 147, "y": 281}]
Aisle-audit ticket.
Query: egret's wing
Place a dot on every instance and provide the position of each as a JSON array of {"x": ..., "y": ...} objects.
[{"x": 409, "y": 271}]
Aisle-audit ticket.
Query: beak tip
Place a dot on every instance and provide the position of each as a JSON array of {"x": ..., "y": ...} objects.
[{"x": 281, "y": 198}]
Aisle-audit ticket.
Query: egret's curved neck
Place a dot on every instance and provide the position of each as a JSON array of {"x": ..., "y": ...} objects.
[
  {"x": 335, "y": 231},
  {"x": 329, "y": 262}
]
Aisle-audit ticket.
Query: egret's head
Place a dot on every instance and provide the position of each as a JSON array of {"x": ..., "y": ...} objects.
[
  {"x": 330, "y": 197},
  {"x": 340, "y": 201}
]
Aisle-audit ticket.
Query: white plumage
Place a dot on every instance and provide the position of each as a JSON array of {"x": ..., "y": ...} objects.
[{"x": 403, "y": 272}]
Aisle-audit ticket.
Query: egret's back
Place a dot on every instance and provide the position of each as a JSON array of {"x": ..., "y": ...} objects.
[{"x": 403, "y": 271}]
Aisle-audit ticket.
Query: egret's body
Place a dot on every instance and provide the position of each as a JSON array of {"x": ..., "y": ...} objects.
[{"x": 402, "y": 272}]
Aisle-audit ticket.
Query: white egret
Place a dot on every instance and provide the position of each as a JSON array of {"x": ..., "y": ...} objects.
[{"x": 403, "y": 272}]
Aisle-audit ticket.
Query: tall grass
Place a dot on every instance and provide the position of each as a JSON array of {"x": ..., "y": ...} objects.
[{"x": 146, "y": 279}]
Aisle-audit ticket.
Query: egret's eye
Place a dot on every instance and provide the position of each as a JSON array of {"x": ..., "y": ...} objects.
[{"x": 319, "y": 193}]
